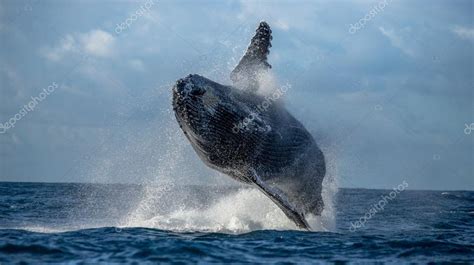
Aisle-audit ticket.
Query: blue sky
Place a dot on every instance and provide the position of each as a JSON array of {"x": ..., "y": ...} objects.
[{"x": 388, "y": 102}]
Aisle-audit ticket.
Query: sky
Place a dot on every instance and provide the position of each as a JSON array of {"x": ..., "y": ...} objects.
[{"x": 386, "y": 87}]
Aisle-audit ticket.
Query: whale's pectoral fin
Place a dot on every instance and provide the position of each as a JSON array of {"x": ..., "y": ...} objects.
[
  {"x": 281, "y": 201},
  {"x": 254, "y": 62}
]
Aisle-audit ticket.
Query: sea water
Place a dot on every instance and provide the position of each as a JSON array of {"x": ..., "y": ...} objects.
[{"x": 114, "y": 223}]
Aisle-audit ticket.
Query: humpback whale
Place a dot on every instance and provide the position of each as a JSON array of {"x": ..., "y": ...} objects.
[{"x": 272, "y": 151}]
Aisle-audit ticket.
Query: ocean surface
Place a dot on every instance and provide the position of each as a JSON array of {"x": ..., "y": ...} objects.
[{"x": 110, "y": 223}]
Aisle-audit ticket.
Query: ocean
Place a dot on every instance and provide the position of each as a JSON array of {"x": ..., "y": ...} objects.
[{"x": 119, "y": 223}]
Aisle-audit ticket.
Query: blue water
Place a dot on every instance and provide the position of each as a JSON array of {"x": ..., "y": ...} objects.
[{"x": 92, "y": 223}]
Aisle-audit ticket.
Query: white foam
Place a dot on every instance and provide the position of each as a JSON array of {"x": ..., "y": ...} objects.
[
  {"x": 43, "y": 229},
  {"x": 243, "y": 211}
]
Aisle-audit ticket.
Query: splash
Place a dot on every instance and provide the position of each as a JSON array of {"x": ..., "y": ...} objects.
[
  {"x": 238, "y": 209},
  {"x": 244, "y": 210}
]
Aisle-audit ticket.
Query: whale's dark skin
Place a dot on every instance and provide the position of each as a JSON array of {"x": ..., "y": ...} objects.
[{"x": 273, "y": 151}]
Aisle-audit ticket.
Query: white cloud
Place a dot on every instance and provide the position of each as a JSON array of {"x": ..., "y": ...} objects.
[
  {"x": 464, "y": 33},
  {"x": 96, "y": 43},
  {"x": 397, "y": 41},
  {"x": 66, "y": 45}
]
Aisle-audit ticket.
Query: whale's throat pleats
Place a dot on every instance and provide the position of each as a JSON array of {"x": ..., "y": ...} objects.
[{"x": 227, "y": 146}]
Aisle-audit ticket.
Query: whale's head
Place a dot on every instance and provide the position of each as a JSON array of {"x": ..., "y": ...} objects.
[
  {"x": 196, "y": 101},
  {"x": 208, "y": 113}
]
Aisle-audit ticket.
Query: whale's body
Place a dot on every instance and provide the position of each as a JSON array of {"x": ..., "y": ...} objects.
[{"x": 242, "y": 134}]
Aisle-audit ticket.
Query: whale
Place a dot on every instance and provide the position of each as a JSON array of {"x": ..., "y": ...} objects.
[{"x": 252, "y": 137}]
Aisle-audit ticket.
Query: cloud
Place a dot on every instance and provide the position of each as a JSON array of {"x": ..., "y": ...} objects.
[
  {"x": 397, "y": 41},
  {"x": 95, "y": 42},
  {"x": 98, "y": 42},
  {"x": 66, "y": 45},
  {"x": 464, "y": 33}
]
